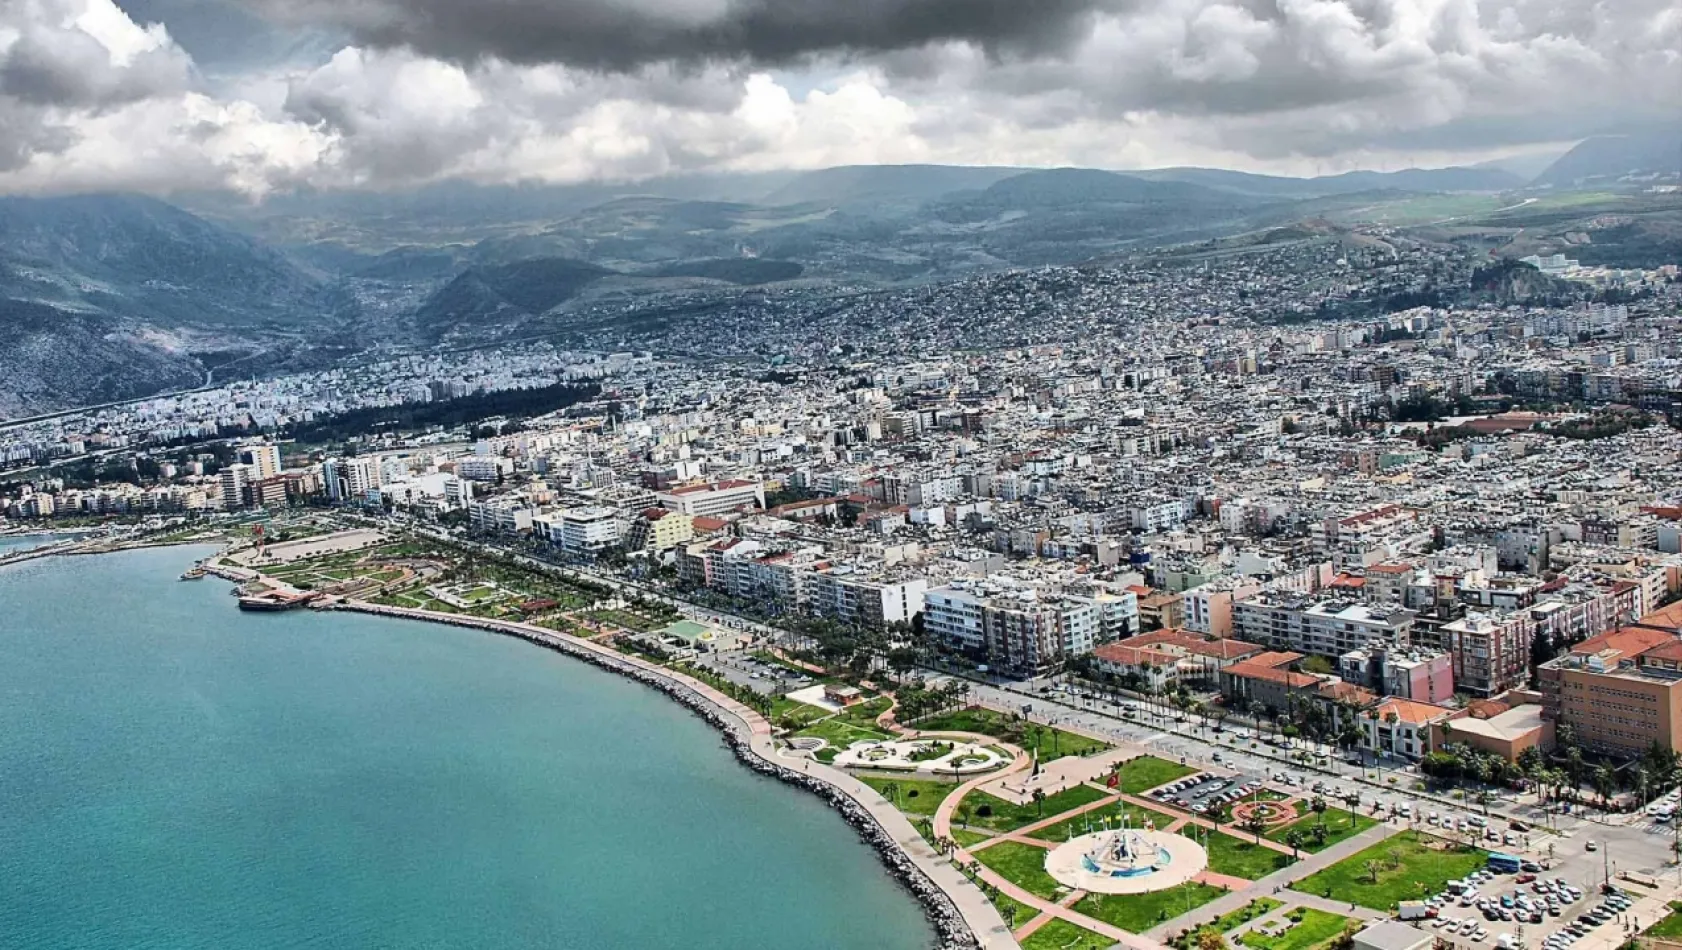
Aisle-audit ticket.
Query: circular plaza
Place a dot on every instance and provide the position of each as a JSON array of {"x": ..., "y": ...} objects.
[{"x": 1126, "y": 861}]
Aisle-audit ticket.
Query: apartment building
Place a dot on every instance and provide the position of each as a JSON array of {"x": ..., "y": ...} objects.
[
  {"x": 1490, "y": 652},
  {"x": 1413, "y": 673},
  {"x": 589, "y": 531},
  {"x": 1328, "y": 628},
  {"x": 349, "y": 480},
  {"x": 655, "y": 530},
  {"x": 1012, "y": 627}
]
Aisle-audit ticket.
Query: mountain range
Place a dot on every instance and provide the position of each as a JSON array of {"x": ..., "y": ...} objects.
[{"x": 110, "y": 296}]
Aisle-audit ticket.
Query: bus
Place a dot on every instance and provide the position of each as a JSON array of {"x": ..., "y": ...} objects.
[{"x": 1504, "y": 863}]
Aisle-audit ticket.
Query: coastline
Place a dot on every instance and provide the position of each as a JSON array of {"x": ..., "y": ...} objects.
[{"x": 962, "y": 917}]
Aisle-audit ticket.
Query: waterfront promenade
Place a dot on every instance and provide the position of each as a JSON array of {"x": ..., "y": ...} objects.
[{"x": 978, "y": 913}]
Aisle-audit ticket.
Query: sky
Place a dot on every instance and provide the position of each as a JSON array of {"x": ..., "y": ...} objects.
[{"x": 266, "y": 96}]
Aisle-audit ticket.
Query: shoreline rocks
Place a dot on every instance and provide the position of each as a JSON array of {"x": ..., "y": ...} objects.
[{"x": 953, "y": 931}]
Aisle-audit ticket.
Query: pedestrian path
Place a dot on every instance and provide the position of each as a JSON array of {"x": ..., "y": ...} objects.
[{"x": 1271, "y": 885}]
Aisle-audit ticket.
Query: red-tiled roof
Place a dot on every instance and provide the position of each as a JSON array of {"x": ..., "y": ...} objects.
[
  {"x": 1626, "y": 641},
  {"x": 1409, "y": 711},
  {"x": 1134, "y": 656}
]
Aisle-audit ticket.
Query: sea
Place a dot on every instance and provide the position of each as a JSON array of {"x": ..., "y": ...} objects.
[{"x": 175, "y": 774}]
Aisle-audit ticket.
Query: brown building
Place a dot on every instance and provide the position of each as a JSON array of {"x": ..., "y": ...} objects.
[
  {"x": 1268, "y": 679},
  {"x": 1507, "y": 733},
  {"x": 1158, "y": 611},
  {"x": 1620, "y": 691}
]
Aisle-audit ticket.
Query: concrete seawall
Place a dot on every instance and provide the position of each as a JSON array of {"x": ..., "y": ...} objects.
[{"x": 961, "y": 915}]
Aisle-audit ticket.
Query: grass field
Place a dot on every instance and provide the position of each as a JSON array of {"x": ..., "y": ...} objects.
[
  {"x": 1013, "y": 911},
  {"x": 1409, "y": 866},
  {"x": 1059, "y": 934},
  {"x": 1254, "y": 910},
  {"x": 914, "y": 796},
  {"x": 1315, "y": 928},
  {"x": 1239, "y": 858},
  {"x": 1340, "y": 825},
  {"x": 1138, "y": 913},
  {"x": 969, "y": 839},
  {"x": 1022, "y": 865},
  {"x": 1052, "y": 743},
  {"x": 1078, "y": 824},
  {"x": 992, "y": 812},
  {"x": 1670, "y": 926},
  {"x": 1147, "y": 772}
]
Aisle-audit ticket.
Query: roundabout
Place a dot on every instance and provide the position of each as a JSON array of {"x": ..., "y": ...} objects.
[
  {"x": 1126, "y": 861},
  {"x": 1270, "y": 813}
]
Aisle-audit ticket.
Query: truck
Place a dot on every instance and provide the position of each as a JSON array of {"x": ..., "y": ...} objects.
[{"x": 1412, "y": 910}]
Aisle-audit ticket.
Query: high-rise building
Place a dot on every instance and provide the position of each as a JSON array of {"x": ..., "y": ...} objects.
[
  {"x": 235, "y": 482},
  {"x": 264, "y": 459}
]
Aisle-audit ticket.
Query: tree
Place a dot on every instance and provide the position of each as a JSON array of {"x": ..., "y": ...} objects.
[
  {"x": 1317, "y": 805},
  {"x": 1372, "y": 868},
  {"x": 1208, "y": 938},
  {"x": 1294, "y": 838},
  {"x": 1604, "y": 783},
  {"x": 1039, "y": 801}
]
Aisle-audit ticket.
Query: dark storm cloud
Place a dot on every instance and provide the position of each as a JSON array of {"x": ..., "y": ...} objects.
[{"x": 618, "y": 35}]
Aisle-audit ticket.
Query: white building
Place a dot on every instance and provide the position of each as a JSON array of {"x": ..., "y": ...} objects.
[
  {"x": 713, "y": 499},
  {"x": 589, "y": 531}
]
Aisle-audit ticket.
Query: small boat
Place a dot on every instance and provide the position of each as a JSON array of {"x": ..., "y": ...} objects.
[{"x": 194, "y": 574}]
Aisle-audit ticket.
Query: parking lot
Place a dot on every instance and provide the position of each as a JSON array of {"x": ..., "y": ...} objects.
[
  {"x": 1529, "y": 909},
  {"x": 1198, "y": 793},
  {"x": 759, "y": 675}
]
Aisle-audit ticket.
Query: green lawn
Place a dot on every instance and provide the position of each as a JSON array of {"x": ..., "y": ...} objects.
[
  {"x": 1670, "y": 926},
  {"x": 1147, "y": 772},
  {"x": 915, "y": 797},
  {"x": 990, "y": 811},
  {"x": 1052, "y": 743},
  {"x": 1315, "y": 928},
  {"x": 1078, "y": 824},
  {"x": 969, "y": 839},
  {"x": 1013, "y": 911},
  {"x": 1059, "y": 934},
  {"x": 1254, "y": 910},
  {"x": 1422, "y": 865},
  {"x": 1339, "y": 824},
  {"x": 1237, "y": 857},
  {"x": 1140, "y": 912},
  {"x": 856, "y": 723},
  {"x": 1022, "y": 865}
]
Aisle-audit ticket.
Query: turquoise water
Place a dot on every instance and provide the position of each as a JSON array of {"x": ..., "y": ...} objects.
[
  {"x": 175, "y": 774},
  {"x": 23, "y": 542}
]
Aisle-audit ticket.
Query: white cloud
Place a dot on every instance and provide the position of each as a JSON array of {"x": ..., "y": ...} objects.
[{"x": 91, "y": 99}]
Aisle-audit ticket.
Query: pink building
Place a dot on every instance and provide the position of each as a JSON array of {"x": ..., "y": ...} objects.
[{"x": 1422, "y": 676}]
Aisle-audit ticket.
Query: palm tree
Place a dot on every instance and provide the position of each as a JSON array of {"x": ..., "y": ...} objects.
[
  {"x": 890, "y": 791},
  {"x": 1039, "y": 801},
  {"x": 1294, "y": 839},
  {"x": 1317, "y": 805},
  {"x": 1604, "y": 783}
]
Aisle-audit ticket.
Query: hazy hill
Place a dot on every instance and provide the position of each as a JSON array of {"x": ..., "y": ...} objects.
[
  {"x": 856, "y": 183},
  {"x": 504, "y": 294},
  {"x": 140, "y": 258},
  {"x": 1606, "y": 158},
  {"x": 1277, "y": 186}
]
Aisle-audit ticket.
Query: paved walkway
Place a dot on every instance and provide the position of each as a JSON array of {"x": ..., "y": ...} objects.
[
  {"x": 1280, "y": 880},
  {"x": 978, "y": 912}
]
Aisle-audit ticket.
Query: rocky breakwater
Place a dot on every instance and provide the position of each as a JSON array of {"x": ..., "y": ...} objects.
[{"x": 955, "y": 932}]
